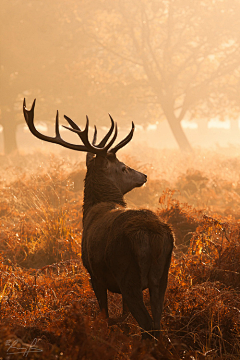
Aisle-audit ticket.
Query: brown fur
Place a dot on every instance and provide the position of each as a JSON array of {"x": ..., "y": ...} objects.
[{"x": 125, "y": 251}]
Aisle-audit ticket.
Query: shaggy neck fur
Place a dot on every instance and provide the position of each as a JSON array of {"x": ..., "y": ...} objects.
[{"x": 98, "y": 188}]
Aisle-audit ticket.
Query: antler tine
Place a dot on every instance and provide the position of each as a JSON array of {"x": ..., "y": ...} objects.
[
  {"x": 72, "y": 123},
  {"x": 83, "y": 134},
  {"x": 28, "y": 114},
  {"x": 90, "y": 155},
  {"x": 29, "y": 117},
  {"x": 57, "y": 132},
  {"x": 124, "y": 141},
  {"x": 91, "y": 147},
  {"x": 107, "y": 136},
  {"x": 107, "y": 147},
  {"x": 76, "y": 127},
  {"x": 101, "y": 146},
  {"x": 103, "y": 141},
  {"x": 94, "y": 135}
]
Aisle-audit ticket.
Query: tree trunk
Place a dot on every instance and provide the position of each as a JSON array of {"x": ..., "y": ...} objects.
[
  {"x": 167, "y": 104},
  {"x": 9, "y": 132},
  {"x": 178, "y": 133}
]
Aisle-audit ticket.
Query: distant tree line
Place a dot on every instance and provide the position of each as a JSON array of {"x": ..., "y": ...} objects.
[{"x": 139, "y": 60}]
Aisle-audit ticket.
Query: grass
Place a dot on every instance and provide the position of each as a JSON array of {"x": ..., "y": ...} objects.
[{"x": 45, "y": 296}]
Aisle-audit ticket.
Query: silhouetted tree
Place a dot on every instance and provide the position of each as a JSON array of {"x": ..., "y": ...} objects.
[
  {"x": 38, "y": 59},
  {"x": 181, "y": 56},
  {"x": 143, "y": 59}
]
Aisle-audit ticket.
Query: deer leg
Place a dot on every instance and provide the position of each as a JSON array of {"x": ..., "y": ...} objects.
[
  {"x": 156, "y": 301},
  {"x": 101, "y": 294},
  {"x": 157, "y": 291},
  {"x": 130, "y": 286},
  {"x": 134, "y": 301},
  {"x": 128, "y": 277}
]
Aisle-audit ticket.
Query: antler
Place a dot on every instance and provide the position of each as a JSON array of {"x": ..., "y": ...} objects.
[
  {"x": 29, "y": 116},
  {"x": 124, "y": 141},
  {"x": 101, "y": 145},
  {"x": 104, "y": 140},
  {"x": 100, "y": 149}
]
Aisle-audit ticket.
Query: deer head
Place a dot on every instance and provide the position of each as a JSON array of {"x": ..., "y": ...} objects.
[{"x": 103, "y": 155}]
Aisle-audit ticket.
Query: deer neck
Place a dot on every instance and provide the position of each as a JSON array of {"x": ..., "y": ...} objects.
[{"x": 98, "y": 188}]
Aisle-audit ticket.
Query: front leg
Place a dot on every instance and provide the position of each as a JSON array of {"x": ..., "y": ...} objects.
[{"x": 101, "y": 294}]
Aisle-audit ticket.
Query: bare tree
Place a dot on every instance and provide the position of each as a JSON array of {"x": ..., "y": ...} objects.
[
  {"x": 38, "y": 54},
  {"x": 179, "y": 56},
  {"x": 156, "y": 59}
]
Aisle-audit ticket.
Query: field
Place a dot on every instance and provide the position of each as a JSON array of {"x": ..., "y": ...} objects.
[{"x": 47, "y": 307}]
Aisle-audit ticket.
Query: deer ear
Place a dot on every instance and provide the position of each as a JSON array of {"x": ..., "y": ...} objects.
[{"x": 89, "y": 157}]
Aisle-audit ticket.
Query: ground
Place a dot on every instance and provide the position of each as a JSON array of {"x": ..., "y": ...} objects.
[{"x": 47, "y": 307}]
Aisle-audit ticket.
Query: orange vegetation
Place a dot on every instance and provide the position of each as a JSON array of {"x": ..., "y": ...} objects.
[{"x": 47, "y": 307}]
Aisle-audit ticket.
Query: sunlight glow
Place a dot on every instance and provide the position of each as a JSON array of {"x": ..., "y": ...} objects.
[
  {"x": 216, "y": 123},
  {"x": 189, "y": 124}
]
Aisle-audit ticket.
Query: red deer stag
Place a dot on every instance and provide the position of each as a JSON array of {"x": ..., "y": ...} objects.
[{"x": 125, "y": 251}]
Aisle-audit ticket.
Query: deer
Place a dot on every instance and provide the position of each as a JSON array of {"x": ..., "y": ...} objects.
[{"x": 124, "y": 250}]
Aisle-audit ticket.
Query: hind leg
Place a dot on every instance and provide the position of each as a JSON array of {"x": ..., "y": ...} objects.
[
  {"x": 101, "y": 294},
  {"x": 157, "y": 291},
  {"x": 128, "y": 277},
  {"x": 130, "y": 286},
  {"x": 134, "y": 301}
]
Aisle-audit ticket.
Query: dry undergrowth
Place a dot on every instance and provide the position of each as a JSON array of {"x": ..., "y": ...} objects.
[{"x": 47, "y": 307}]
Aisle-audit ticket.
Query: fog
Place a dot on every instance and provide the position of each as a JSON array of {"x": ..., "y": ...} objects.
[
  {"x": 223, "y": 136},
  {"x": 172, "y": 67}
]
